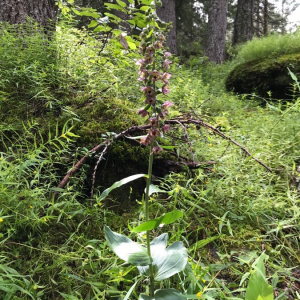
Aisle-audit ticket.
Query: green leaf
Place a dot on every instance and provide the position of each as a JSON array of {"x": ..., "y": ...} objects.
[
  {"x": 121, "y": 3},
  {"x": 258, "y": 288},
  {"x": 120, "y": 183},
  {"x": 126, "y": 249},
  {"x": 115, "y": 6},
  {"x": 168, "y": 218},
  {"x": 155, "y": 189},
  {"x": 167, "y": 294},
  {"x": 166, "y": 262},
  {"x": 93, "y": 23}
]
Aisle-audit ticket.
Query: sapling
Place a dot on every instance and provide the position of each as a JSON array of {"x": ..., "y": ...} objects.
[{"x": 154, "y": 259}]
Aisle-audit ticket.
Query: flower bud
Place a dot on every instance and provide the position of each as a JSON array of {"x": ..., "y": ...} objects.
[{"x": 158, "y": 3}]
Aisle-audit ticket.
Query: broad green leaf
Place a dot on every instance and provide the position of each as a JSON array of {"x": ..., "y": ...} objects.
[
  {"x": 115, "y": 6},
  {"x": 113, "y": 17},
  {"x": 168, "y": 218},
  {"x": 121, "y": 3},
  {"x": 167, "y": 294},
  {"x": 120, "y": 183},
  {"x": 126, "y": 249},
  {"x": 166, "y": 261},
  {"x": 258, "y": 288},
  {"x": 93, "y": 23},
  {"x": 144, "y": 8},
  {"x": 155, "y": 189}
]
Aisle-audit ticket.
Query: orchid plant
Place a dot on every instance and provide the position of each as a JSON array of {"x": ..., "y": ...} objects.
[{"x": 154, "y": 260}]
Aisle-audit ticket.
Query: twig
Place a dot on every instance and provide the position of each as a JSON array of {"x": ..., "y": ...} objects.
[{"x": 179, "y": 120}]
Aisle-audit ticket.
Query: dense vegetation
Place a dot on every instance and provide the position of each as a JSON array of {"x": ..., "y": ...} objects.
[{"x": 60, "y": 97}]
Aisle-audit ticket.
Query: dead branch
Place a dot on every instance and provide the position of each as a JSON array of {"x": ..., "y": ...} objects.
[{"x": 181, "y": 120}]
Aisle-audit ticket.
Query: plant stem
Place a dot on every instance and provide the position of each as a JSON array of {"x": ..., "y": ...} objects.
[{"x": 151, "y": 275}]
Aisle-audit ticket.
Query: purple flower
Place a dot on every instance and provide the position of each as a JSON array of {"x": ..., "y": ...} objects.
[
  {"x": 146, "y": 140},
  {"x": 157, "y": 149},
  {"x": 153, "y": 121},
  {"x": 165, "y": 89},
  {"x": 140, "y": 62},
  {"x": 166, "y": 128},
  {"x": 142, "y": 112},
  {"x": 144, "y": 75},
  {"x": 150, "y": 50},
  {"x": 165, "y": 77},
  {"x": 166, "y": 64},
  {"x": 155, "y": 75},
  {"x": 150, "y": 100},
  {"x": 167, "y": 54},
  {"x": 148, "y": 90},
  {"x": 154, "y": 133},
  {"x": 158, "y": 45},
  {"x": 148, "y": 60},
  {"x": 166, "y": 104}
]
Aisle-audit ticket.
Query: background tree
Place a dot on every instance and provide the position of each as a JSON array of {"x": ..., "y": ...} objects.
[
  {"x": 216, "y": 31},
  {"x": 167, "y": 14},
  {"x": 16, "y": 11},
  {"x": 243, "y": 22}
]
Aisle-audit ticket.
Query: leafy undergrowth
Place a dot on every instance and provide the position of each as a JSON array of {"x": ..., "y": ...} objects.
[{"x": 234, "y": 209}]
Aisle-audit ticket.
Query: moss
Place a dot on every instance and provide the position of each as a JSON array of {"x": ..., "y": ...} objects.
[{"x": 262, "y": 76}]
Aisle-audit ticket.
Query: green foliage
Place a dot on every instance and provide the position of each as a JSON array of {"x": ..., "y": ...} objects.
[
  {"x": 55, "y": 248},
  {"x": 272, "y": 46}
]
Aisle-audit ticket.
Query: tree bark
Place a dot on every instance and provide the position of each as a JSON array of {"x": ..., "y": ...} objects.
[
  {"x": 216, "y": 32},
  {"x": 167, "y": 14},
  {"x": 243, "y": 22},
  {"x": 17, "y": 11},
  {"x": 266, "y": 16}
]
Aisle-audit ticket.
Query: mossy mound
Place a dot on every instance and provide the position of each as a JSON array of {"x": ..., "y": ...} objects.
[{"x": 265, "y": 76}]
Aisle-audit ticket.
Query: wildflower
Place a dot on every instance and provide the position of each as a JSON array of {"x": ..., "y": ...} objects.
[
  {"x": 165, "y": 77},
  {"x": 166, "y": 64},
  {"x": 166, "y": 128},
  {"x": 142, "y": 112},
  {"x": 148, "y": 90},
  {"x": 99, "y": 203},
  {"x": 155, "y": 75},
  {"x": 167, "y": 104},
  {"x": 154, "y": 133},
  {"x": 158, "y": 45},
  {"x": 63, "y": 136},
  {"x": 210, "y": 145},
  {"x": 165, "y": 89},
  {"x": 30, "y": 206},
  {"x": 34, "y": 172},
  {"x": 203, "y": 280},
  {"x": 1, "y": 220},
  {"x": 157, "y": 149},
  {"x": 167, "y": 54},
  {"x": 199, "y": 295},
  {"x": 35, "y": 287},
  {"x": 153, "y": 121},
  {"x": 150, "y": 50},
  {"x": 148, "y": 60},
  {"x": 143, "y": 75},
  {"x": 146, "y": 140},
  {"x": 150, "y": 100}
]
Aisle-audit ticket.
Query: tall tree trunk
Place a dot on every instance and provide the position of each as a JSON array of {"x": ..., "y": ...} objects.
[
  {"x": 243, "y": 22},
  {"x": 16, "y": 11},
  {"x": 167, "y": 14},
  {"x": 216, "y": 31},
  {"x": 266, "y": 16}
]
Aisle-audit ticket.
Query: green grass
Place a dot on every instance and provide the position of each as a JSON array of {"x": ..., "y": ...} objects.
[{"x": 54, "y": 248}]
